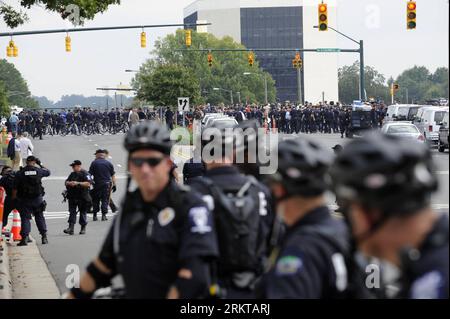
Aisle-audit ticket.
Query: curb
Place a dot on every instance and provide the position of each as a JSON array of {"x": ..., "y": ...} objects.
[{"x": 5, "y": 278}]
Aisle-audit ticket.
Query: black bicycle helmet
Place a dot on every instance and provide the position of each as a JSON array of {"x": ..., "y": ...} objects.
[
  {"x": 148, "y": 135},
  {"x": 384, "y": 172},
  {"x": 302, "y": 167}
]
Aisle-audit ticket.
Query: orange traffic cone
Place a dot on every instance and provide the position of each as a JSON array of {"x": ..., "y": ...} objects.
[{"x": 16, "y": 226}]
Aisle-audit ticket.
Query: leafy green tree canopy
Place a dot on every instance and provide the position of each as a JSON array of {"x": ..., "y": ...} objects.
[
  {"x": 15, "y": 86},
  {"x": 227, "y": 71},
  {"x": 74, "y": 10}
]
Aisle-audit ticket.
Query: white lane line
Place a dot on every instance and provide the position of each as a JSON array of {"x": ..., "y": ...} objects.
[
  {"x": 63, "y": 178},
  {"x": 65, "y": 214},
  {"x": 441, "y": 172}
]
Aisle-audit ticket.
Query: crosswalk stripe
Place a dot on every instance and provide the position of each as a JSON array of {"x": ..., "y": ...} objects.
[{"x": 65, "y": 214}]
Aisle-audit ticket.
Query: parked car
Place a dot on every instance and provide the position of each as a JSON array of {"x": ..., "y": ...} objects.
[
  {"x": 427, "y": 121},
  {"x": 443, "y": 141},
  {"x": 403, "y": 129}
]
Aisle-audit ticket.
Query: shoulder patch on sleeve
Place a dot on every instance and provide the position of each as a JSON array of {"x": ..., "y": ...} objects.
[
  {"x": 428, "y": 286},
  {"x": 200, "y": 220},
  {"x": 288, "y": 265}
]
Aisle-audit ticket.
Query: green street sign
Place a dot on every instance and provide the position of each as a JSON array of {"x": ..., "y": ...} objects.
[{"x": 328, "y": 50}]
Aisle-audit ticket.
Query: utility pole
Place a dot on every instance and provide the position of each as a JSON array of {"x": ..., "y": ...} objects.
[
  {"x": 407, "y": 97},
  {"x": 299, "y": 85},
  {"x": 266, "y": 98}
]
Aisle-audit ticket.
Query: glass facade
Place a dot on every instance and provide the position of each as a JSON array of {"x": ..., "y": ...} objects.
[
  {"x": 192, "y": 19},
  {"x": 275, "y": 28}
]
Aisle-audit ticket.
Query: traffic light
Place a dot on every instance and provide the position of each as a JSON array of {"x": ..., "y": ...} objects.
[
  {"x": 12, "y": 50},
  {"x": 210, "y": 59},
  {"x": 9, "y": 49},
  {"x": 15, "y": 51},
  {"x": 323, "y": 17},
  {"x": 297, "y": 62},
  {"x": 251, "y": 59},
  {"x": 68, "y": 44},
  {"x": 143, "y": 39},
  {"x": 188, "y": 34},
  {"x": 411, "y": 15}
]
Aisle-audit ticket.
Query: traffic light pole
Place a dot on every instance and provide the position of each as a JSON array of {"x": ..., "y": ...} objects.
[
  {"x": 10, "y": 34},
  {"x": 361, "y": 71},
  {"x": 299, "y": 84}
]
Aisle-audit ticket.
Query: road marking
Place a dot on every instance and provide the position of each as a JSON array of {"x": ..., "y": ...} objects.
[
  {"x": 65, "y": 214},
  {"x": 63, "y": 178},
  {"x": 90, "y": 140},
  {"x": 96, "y": 145},
  {"x": 441, "y": 172},
  {"x": 118, "y": 165}
]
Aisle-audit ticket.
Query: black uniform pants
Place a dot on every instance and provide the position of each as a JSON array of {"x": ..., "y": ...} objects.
[
  {"x": 100, "y": 194},
  {"x": 27, "y": 209},
  {"x": 75, "y": 206}
]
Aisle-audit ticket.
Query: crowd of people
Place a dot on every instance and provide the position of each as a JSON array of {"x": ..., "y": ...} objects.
[
  {"x": 87, "y": 121},
  {"x": 327, "y": 117},
  {"x": 234, "y": 233}
]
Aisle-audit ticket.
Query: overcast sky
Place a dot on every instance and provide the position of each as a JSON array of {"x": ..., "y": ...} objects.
[{"x": 100, "y": 58}]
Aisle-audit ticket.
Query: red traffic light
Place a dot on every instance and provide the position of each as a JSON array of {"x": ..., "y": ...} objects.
[
  {"x": 412, "y": 6},
  {"x": 322, "y": 7}
]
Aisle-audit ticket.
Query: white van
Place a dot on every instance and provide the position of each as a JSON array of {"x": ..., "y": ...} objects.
[
  {"x": 427, "y": 120},
  {"x": 402, "y": 112}
]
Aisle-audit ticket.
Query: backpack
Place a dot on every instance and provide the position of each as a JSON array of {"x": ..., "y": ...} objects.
[
  {"x": 237, "y": 222},
  {"x": 30, "y": 183},
  {"x": 11, "y": 151}
]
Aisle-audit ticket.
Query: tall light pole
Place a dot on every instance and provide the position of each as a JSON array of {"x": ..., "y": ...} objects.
[
  {"x": 229, "y": 91},
  {"x": 266, "y": 98},
  {"x": 361, "y": 60}
]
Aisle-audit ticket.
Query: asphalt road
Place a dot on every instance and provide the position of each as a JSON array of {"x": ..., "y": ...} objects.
[{"x": 57, "y": 153}]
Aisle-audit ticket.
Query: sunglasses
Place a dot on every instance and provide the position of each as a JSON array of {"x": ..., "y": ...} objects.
[{"x": 151, "y": 161}]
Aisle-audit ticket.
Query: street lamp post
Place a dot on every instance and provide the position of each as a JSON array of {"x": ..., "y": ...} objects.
[
  {"x": 229, "y": 91},
  {"x": 265, "y": 85},
  {"x": 361, "y": 61}
]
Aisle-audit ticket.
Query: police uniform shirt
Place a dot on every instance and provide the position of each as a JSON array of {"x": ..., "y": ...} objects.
[
  {"x": 78, "y": 192},
  {"x": 21, "y": 178},
  {"x": 429, "y": 275},
  {"x": 102, "y": 170},
  {"x": 157, "y": 239},
  {"x": 309, "y": 266}
]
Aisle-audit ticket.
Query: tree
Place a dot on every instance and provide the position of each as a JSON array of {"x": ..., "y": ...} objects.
[
  {"x": 15, "y": 86},
  {"x": 227, "y": 71},
  {"x": 375, "y": 83},
  {"x": 167, "y": 82},
  {"x": 421, "y": 85},
  {"x": 75, "y": 11},
  {"x": 4, "y": 107}
]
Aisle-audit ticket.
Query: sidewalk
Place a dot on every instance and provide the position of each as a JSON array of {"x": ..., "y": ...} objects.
[{"x": 24, "y": 274}]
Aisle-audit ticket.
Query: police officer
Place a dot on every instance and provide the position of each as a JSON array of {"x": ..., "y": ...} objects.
[
  {"x": 104, "y": 181},
  {"x": 385, "y": 185},
  {"x": 7, "y": 182},
  {"x": 28, "y": 195},
  {"x": 242, "y": 211},
  {"x": 78, "y": 184},
  {"x": 193, "y": 168},
  {"x": 310, "y": 261},
  {"x": 162, "y": 241}
]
